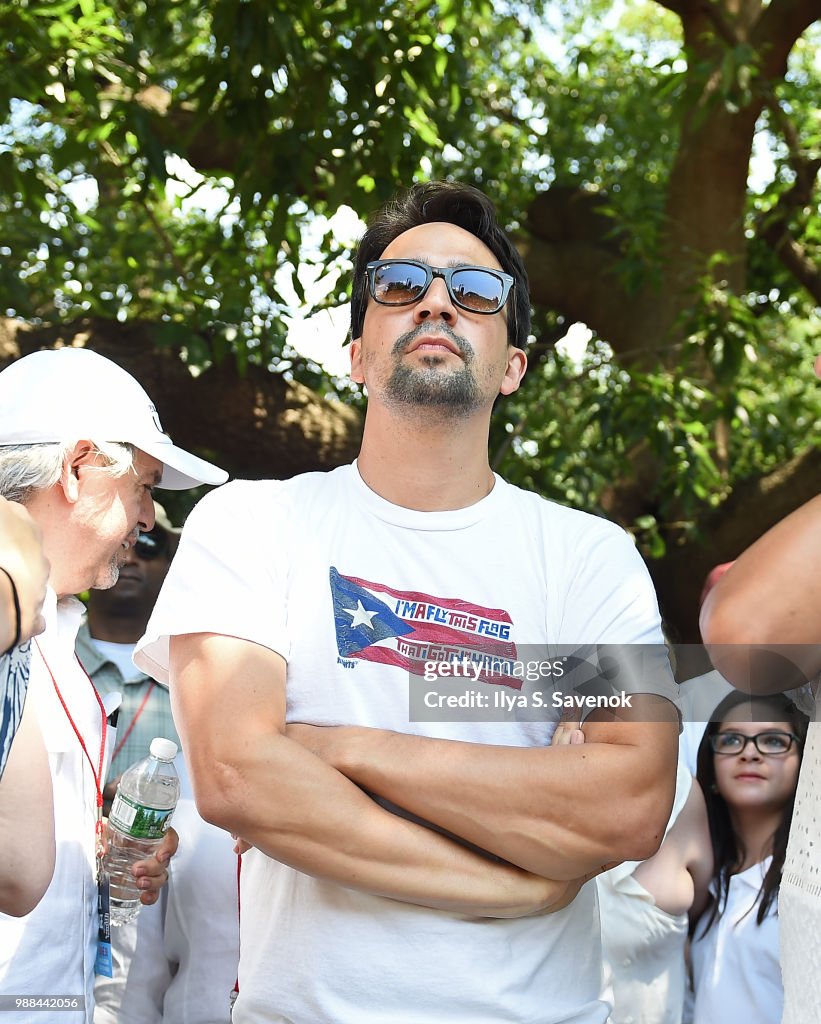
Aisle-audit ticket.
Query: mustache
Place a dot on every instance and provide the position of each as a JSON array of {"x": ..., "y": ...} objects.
[{"x": 404, "y": 341}]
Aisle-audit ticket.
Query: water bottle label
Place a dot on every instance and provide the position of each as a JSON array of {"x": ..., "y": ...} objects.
[{"x": 137, "y": 820}]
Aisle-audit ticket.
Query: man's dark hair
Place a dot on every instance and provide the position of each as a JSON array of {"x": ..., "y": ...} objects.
[{"x": 451, "y": 203}]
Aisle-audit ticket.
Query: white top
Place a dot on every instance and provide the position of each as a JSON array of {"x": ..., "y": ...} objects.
[
  {"x": 121, "y": 656},
  {"x": 177, "y": 962},
  {"x": 643, "y": 945},
  {"x": 51, "y": 951},
  {"x": 736, "y": 975},
  {"x": 350, "y": 589}
]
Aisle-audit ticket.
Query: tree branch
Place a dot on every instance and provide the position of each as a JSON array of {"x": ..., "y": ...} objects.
[
  {"x": 680, "y": 7},
  {"x": 794, "y": 256},
  {"x": 798, "y": 157},
  {"x": 773, "y": 225},
  {"x": 723, "y": 28},
  {"x": 573, "y": 256},
  {"x": 781, "y": 23}
]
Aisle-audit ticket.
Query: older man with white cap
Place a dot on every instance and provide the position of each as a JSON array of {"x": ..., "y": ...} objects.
[{"x": 81, "y": 447}]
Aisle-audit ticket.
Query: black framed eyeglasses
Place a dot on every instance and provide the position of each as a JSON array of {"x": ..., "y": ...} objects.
[
  {"x": 151, "y": 545},
  {"x": 770, "y": 744},
  {"x": 402, "y": 282}
]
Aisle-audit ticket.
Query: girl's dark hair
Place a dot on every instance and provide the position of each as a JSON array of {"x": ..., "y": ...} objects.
[
  {"x": 451, "y": 203},
  {"x": 728, "y": 853}
]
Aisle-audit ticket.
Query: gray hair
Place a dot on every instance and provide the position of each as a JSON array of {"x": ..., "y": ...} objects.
[{"x": 25, "y": 468}]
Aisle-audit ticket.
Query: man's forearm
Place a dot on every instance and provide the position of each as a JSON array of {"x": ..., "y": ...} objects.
[
  {"x": 228, "y": 697},
  {"x": 768, "y": 599},
  {"x": 313, "y": 819},
  {"x": 559, "y": 811}
]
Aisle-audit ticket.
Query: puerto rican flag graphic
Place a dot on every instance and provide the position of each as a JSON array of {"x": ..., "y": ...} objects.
[{"x": 375, "y": 622}]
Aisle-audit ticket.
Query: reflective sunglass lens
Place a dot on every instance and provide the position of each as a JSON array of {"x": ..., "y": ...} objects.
[
  {"x": 477, "y": 289},
  {"x": 473, "y": 288},
  {"x": 398, "y": 283}
]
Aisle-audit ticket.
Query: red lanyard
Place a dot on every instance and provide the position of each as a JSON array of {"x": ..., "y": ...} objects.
[
  {"x": 133, "y": 722},
  {"x": 98, "y": 775}
]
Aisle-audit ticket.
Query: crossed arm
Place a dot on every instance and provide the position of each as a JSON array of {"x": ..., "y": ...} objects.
[
  {"x": 555, "y": 811},
  {"x": 251, "y": 779}
]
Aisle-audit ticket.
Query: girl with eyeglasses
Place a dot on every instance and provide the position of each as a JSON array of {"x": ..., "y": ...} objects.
[{"x": 748, "y": 765}]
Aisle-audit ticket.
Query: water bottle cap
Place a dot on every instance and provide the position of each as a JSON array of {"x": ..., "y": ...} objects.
[{"x": 165, "y": 750}]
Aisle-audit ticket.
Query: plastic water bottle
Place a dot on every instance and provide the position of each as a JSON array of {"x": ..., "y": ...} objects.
[{"x": 145, "y": 800}]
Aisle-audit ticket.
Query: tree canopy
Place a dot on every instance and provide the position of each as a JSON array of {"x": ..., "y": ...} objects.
[{"x": 163, "y": 164}]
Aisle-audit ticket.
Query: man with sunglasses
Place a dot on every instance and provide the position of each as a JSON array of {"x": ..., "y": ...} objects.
[
  {"x": 314, "y": 600},
  {"x": 117, "y": 618},
  {"x": 81, "y": 447}
]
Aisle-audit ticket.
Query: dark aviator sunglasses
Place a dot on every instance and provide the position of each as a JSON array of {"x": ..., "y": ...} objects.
[{"x": 402, "y": 282}]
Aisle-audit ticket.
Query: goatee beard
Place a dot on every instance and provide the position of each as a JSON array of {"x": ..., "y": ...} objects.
[{"x": 452, "y": 394}]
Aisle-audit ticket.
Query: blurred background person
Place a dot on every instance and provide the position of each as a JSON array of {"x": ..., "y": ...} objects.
[
  {"x": 748, "y": 765},
  {"x": 23, "y": 578}
]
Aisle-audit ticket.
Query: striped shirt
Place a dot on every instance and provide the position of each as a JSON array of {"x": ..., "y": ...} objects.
[{"x": 153, "y": 715}]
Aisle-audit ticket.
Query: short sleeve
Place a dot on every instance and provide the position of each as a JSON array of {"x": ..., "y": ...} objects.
[
  {"x": 610, "y": 611},
  {"x": 610, "y": 597},
  {"x": 229, "y": 575}
]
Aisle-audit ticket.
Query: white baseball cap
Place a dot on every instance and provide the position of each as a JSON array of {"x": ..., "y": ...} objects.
[{"x": 72, "y": 394}]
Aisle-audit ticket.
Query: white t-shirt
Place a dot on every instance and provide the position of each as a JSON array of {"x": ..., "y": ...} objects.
[
  {"x": 643, "y": 945},
  {"x": 736, "y": 973},
  {"x": 121, "y": 655},
  {"x": 51, "y": 951},
  {"x": 350, "y": 590}
]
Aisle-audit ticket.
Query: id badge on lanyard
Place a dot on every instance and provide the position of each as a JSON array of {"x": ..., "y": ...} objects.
[{"x": 103, "y": 965}]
